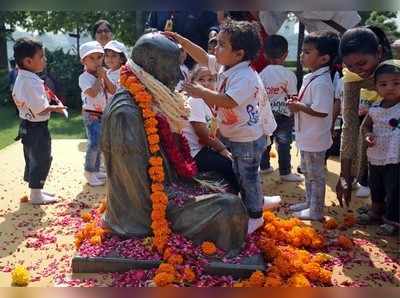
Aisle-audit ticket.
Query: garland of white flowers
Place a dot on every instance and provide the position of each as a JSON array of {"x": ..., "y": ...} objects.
[{"x": 172, "y": 105}]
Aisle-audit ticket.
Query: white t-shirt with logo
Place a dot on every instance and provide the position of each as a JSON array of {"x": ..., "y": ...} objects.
[
  {"x": 30, "y": 96},
  {"x": 279, "y": 83},
  {"x": 313, "y": 134},
  {"x": 243, "y": 84},
  {"x": 113, "y": 76},
  {"x": 199, "y": 112},
  {"x": 98, "y": 103}
]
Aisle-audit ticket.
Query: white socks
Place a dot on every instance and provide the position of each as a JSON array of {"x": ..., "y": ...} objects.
[
  {"x": 39, "y": 197},
  {"x": 254, "y": 224},
  {"x": 271, "y": 202},
  {"x": 306, "y": 214}
]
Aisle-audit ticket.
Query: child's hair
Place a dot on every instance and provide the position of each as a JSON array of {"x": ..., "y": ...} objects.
[
  {"x": 276, "y": 46},
  {"x": 243, "y": 36},
  {"x": 98, "y": 24},
  {"x": 326, "y": 43},
  {"x": 365, "y": 40},
  {"x": 386, "y": 68},
  {"x": 212, "y": 42},
  {"x": 195, "y": 72},
  {"x": 25, "y": 47}
]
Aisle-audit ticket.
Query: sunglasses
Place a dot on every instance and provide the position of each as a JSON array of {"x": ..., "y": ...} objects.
[{"x": 103, "y": 31}]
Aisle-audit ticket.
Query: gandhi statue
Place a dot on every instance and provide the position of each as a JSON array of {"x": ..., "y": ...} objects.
[{"x": 222, "y": 218}]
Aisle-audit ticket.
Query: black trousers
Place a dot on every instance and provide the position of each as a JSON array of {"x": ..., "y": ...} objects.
[
  {"x": 384, "y": 182},
  {"x": 36, "y": 142},
  {"x": 208, "y": 160}
]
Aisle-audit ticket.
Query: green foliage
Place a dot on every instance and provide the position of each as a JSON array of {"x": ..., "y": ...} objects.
[
  {"x": 384, "y": 20},
  {"x": 66, "y": 68}
]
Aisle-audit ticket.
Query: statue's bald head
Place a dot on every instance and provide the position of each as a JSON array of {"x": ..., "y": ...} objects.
[{"x": 159, "y": 56}]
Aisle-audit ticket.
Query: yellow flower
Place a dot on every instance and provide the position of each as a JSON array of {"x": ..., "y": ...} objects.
[{"x": 20, "y": 276}]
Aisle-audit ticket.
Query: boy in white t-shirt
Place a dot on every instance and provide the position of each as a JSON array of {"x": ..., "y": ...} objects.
[
  {"x": 239, "y": 93},
  {"x": 31, "y": 99},
  {"x": 115, "y": 55},
  {"x": 313, "y": 110},
  {"x": 280, "y": 84},
  {"x": 95, "y": 85}
]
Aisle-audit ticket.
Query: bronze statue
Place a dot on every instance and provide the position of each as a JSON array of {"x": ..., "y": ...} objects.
[{"x": 222, "y": 218}]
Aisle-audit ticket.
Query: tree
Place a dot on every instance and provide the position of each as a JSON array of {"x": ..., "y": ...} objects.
[{"x": 382, "y": 19}]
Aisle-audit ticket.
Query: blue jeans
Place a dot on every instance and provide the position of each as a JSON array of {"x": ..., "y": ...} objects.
[
  {"x": 283, "y": 135},
  {"x": 93, "y": 133},
  {"x": 246, "y": 161}
]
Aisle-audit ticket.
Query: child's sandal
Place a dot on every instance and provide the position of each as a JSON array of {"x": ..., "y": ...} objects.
[{"x": 387, "y": 230}]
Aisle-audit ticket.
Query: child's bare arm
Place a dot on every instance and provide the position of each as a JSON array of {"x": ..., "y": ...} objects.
[
  {"x": 209, "y": 96},
  {"x": 196, "y": 52},
  {"x": 95, "y": 89},
  {"x": 296, "y": 106},
  {"x": 58, "y": 109}
]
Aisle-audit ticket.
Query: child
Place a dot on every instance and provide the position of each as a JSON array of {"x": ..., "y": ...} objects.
[
  {"x": 115, "y": 56},
  {"x": 280, "y": 84},
  {"x": 313, "y": 119},
  {"x": 239, "y": 92},
  {"x": 34, "y": 109},
  {"x": 208, "y": 151},
  {"x": 94, "y": 84},
  {"x": 383, "y": 140}
]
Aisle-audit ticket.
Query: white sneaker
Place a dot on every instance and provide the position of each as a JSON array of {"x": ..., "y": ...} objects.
[
  {"x": 363, "y": 192},
  {"x": 254, "y": 224},
  {"x": 267, "y": 170},
  {"x": 306, "y": 215},
  {"x": 101, "y": 175},
  {"x": 37, "y": 197},
  {"x": 92, "y": 179},
  {"x": 355, "y": 185},
  {"x": 292, "y": 177},
  {"x": 299, "y": 206},
  {"x": 271, "y": 202}
]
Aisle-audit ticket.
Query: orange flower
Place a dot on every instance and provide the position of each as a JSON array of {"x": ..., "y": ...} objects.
[
  {"x": 165, "y": 267},
  {"x": 349, "y": 220},
  {"x": 151, "y": 122},
  {"x": 208, "y": 248},
  {"x": 257, "y": 279},
  {"x": 24, "y": 199},
  {"x": 273, "y": 280},
  {"x": 268, "y": 216},
  {"x": 86, "y": 217},
  {"x": 163, "y": 279},
  {"x": 157, "y": 187},
  {"x": 238, "y": 285},
  {"x": 345, "y": 242},
  {"x": 156, "y": 161},
  {"x": 320, "y": 258},
  {"x": 151, "y": 130},
  {"x": 188, "y": 274},
  {"x": 175, "y": 259},
  {"x": 78, "y": 243},
  {"x": 100, "y": 232},
  {"x": 153, "y": 139},
  {"x": 159, "y": 198},
  {"x": 135, "y": 87},
  {"x": 298, "y": 280},
  {"x": 154, "y": 148},
  {"x": 143, "y": 96},
  {"x": 95, "y": 240},
  {"x": 330, "y": 224},
  {"x": 167, "y": 253},
  {"x": 325, "y": 276},
  {"x": 312, "y": 270}
]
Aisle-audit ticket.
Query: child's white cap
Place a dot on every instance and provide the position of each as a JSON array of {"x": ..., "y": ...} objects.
[
  {"x": 90, "y": 47},
  {"x": 116, "y": 46}
]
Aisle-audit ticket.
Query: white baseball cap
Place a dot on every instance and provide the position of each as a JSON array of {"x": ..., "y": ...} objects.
[
  {"x": 116, "y": 46},
  {"x": 90, "y": 47}
]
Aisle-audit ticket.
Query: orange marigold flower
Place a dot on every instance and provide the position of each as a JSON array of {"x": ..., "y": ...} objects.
[
  {"x": 95, "y": 240},
  {"x": 157, "y": 187},
  {"x": 100, "y": 232},
  {"x": 143, "y": 96},
  {"x": 312, "y": 270},
  {"x": 345, "y": 242},
  {"x": 148, "y": 113},
  {"x": 80, "y": 235},
  {"x": 325, "y": 276},
  {"x": 151, "y": 130},
  {"x": 268, "y": 216},
  {"x": 273, "y": 280},
  {"x": 330, "y": 224},
  {"x": 175, "y": 259},
  {"x": 208, "y": 248},
  {"x": 86, "y": 216},
  {"x": 167, "y": 253},
  {"x": 134, "y": 86},
  {"x": 298, "y": 280},
  {"x": 153, "y": 139},
  {"x": 238, "y": 285},
  {"x": 163, "y": 279},
  {"x": 24, "y": 199},
  {"x": 257, "y": 279},
  {"x": 151, "y": 122},
  {"x": 156, "y": 161},
  {"x": 349, "y": 220},
  {"x": 320, "y": 258},
  {"x": 188, "y": 274},
  {"x": 154, "y": 148},
  {"x": 78, "y": 243},
  {"x": 165, "y": 267},
  {"x": 318, "y": 242},
  {"x": 159, "y": 198},
  {"x": 157, "y": 215}
]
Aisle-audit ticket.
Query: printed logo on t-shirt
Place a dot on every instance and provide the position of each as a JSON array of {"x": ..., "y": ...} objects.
[{"x": 253, "y": 115}]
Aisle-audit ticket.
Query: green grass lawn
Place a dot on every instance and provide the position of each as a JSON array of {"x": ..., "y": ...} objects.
[{"x": 60, "y": 128}]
